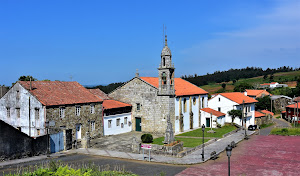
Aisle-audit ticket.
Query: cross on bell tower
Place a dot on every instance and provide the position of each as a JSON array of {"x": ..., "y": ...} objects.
[{"x": 166, "y": 72}]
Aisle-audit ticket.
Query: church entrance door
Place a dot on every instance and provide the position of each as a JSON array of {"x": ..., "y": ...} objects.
[{"x": 138, "y": 124}]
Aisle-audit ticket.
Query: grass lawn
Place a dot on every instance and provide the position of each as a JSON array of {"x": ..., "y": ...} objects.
[
  {"x": 187, "y": 142},
  {"x": 266, "y": 125},
  {"x": 219, "y": 132},
  {"x": 286, "y": 131}
]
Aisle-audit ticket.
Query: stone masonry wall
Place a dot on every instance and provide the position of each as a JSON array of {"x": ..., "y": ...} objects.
[
  {"x": 70, "y": 120},
  {"x": 154, "y": 109}
]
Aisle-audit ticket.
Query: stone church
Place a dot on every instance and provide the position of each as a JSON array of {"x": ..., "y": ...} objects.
[{"x": 153, "y": 99}]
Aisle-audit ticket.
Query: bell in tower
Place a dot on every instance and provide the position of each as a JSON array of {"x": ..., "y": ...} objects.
[{"x": 166, "y": 72}]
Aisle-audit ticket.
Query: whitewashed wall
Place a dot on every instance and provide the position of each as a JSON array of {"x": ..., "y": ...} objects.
[
  {"x": 186, "y": 115},
  {"x": 227, "y": 105},
  {"x": 220, "y": 120},
  {"x": 10, "y": 100},
  {"x": 117, "y": 129}
]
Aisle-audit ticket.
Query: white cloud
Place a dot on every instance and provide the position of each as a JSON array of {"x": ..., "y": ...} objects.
[{"x": 273, "y": 41}]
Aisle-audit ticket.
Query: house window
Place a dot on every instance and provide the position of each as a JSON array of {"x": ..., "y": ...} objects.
[
  {"x": 118, "y": 122},
  {"x": 62, "y": 112},
  {"x": 93, "y": 125},
  {"x": 219, "y": 109},
  {"x": 92, "y": 109},
  {"x": 194, "y": 100},
  {"x": 219, "y": 99},
  {"x": 184, "y": 105},
  {"x": 122, "y": 125},
  {"x": 138, "y": 106},
  {"x": 109, "y": 123},
  {"x": 18, "y": 112},
  {"x": 125, "y": 120},
  {"x": 8, "y": 112},
  {"x": 77, "y": 112},
  {"x": 18, "y": 94},
  {"x": 38, "y": 132},
  {"x": 37, "y": 113}
]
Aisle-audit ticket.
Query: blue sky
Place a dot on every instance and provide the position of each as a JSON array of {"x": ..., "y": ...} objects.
[{"x": 101, "y": 42}]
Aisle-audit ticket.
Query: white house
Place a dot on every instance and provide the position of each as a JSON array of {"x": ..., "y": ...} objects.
[
  {"x": 67, "y": 105},
  {"x": 116, "y": 115},
  {"x": 225, "y": 102},
  {"x": 14, "y": 110},
  {"x": 211, "y": 117},
  {"x": 272, "y": 85}
]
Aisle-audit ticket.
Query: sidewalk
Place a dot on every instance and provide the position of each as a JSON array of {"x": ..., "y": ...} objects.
[{"x": 192, "y": 158}]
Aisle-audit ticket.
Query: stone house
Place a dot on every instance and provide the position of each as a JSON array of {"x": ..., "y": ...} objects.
[
  {"x": 263, "y": 117},
  {"x": 153, "y": 99},
  {"x": 225, "y": 102},
  {"x": 116, "y": 114},
  {"x": 27, "y": 106},
  {"x": 279, "y": 102}
]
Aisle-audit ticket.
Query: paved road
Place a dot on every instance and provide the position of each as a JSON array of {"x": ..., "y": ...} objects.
[
  {"x": 77, "y": 160},
  {"x": 279, "y": 123},
  {"x": 260, "y": 155}
]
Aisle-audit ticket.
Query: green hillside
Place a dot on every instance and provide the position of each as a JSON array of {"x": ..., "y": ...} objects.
[{"x": 282, "y": 77}]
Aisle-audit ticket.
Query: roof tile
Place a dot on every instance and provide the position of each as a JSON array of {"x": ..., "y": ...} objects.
[
  {"x": 214, "y": 112},
  {"x": 238, "y": 97},
  {"x": 182, "y": 87},
  {"x": 51, "y": 93}
]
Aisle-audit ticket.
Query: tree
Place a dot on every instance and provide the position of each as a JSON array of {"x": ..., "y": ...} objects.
[
  {"x": 263, "y": 103},
  {"x": 242, "y": 86},
  {"x": 223, "y": 85},
  {"x": 271, "y": 77},
  {"x": 27, "y": 78},
  {"x": 235, "y": 113},
  {"x": 265, "y": 77}
]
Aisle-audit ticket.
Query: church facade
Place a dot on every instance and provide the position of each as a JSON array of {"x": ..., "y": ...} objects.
[{"x": 153, "y": 99}]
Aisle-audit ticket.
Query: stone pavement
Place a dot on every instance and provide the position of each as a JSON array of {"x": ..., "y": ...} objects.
[
  {"x": 192, "y": 158},
  {"x": 260, "y": 155}
]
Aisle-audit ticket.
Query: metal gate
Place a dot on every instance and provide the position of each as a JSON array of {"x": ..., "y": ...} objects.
[{"x": 57, "y": 142}]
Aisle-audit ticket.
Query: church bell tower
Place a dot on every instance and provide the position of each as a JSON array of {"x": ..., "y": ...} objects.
[{"x": 166, "y": 72}]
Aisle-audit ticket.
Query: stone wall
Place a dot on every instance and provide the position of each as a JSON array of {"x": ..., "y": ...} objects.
[
  {"x": 70, "y": 120},
  {"x": 21, "y": 146},
  {"x": 154, "y": 109}
]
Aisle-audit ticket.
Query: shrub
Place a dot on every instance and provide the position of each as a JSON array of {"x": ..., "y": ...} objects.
[
  {"x": 147, "y": 138},
  {"x": 284, "y": 130},
  {"x": 219, "y": 125}
]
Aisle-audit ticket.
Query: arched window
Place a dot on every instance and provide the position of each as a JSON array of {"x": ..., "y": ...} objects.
[
  {"x": 164, "y": 78},
  {"x": 202, "y": 102},
  {"x": 164, "y": 61},
  {"x": 194, "y": 100},
  {"x": 184, "y": 105}
]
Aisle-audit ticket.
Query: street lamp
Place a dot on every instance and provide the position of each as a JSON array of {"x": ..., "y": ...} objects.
[
  {"x": 203, "y": 129},
  {"x": 246, "y": 137},
  {"x": 228, "y": 152}
]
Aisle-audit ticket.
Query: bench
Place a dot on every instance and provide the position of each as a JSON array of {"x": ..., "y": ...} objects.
[
  {"x": 214, "y": 155},
  {"x": 233, "y": 144}
]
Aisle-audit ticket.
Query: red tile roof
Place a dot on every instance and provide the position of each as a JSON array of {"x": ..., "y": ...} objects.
[
  {"x": 259, "y": 114},
  {"x": 111, "y": 104},
  {"x": 283, "y": 112},
  {"x": 297, "y": 99},
  {"x": 51, "y": 93},
  {"x": 294, "y": 105},
  {"x": 214, "y": 112},
  {"x": 267, "y": 112},
  {"x": 182, "y": 87},
  {"x": 238, "y": 97},
  {"x": 256, "y": 92},
  {"x": 99, "y": 93}
]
